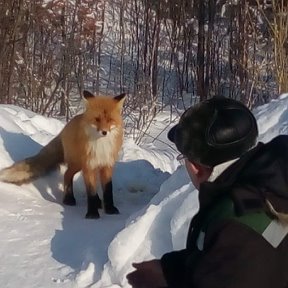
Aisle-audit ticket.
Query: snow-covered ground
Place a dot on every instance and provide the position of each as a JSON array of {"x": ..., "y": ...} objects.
[{"x": 44, "y": 244}]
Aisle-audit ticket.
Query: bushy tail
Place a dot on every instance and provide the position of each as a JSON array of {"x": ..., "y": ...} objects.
[{"x": 49, "y": 157}]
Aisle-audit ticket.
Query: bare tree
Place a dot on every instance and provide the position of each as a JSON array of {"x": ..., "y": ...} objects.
[{"x": 166, "y": 54}]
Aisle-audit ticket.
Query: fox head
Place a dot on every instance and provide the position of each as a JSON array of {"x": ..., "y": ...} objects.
[{"x": 103, "y": 113}]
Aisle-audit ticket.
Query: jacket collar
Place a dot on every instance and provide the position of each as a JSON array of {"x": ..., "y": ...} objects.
[
  {"x": 224, "y": 177},
  {"x": 217, "y": 171}
]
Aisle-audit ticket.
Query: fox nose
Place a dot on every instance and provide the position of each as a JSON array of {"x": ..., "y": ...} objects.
[{"x": 104, "y": 133}]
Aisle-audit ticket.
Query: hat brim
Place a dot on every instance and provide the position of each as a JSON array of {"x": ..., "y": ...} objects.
[{"x": 171, "y": 133}]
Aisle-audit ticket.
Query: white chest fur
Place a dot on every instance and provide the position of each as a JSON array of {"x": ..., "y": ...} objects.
[{"x": 101, "y": 149}]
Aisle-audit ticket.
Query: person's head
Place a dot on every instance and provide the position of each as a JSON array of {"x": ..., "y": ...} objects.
[{"x": 211, "y": 133}]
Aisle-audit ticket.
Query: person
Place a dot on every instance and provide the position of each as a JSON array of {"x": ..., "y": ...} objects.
[{"x": 238, "y": 238}]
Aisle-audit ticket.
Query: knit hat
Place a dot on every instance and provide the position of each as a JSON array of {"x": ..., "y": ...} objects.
[{"x": 215, "y": 131}]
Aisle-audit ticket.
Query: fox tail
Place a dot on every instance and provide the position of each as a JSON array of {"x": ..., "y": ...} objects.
[{"x": 48, "y": 158}]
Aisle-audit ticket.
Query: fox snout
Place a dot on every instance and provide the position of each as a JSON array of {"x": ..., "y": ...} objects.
[{"x": 103, "y": 132}]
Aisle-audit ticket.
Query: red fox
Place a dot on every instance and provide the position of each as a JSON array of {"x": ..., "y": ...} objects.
[{"x": 90, "y": 143}]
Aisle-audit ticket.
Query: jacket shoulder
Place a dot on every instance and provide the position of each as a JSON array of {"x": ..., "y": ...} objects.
[{"x": 225, "y": 211}]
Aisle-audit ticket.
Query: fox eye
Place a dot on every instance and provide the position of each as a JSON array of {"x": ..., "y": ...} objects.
[{"x": 97, "y": 119}]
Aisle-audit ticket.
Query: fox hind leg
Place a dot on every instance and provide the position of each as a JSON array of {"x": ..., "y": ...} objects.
[
  {"x": 69, "y": 198},
  {"x": 106, "y": 182}
]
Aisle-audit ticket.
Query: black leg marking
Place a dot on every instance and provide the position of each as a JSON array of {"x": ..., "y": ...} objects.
[
  {"x": 108, "y": 199},
  {"x": 69, "y": 198},
  {"x": 93, "y": 204}
]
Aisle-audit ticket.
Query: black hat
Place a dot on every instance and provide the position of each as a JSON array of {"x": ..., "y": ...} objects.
[{"x": 215, "y": 131}]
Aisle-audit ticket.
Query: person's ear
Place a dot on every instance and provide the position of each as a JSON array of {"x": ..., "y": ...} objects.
[
  {"x": 193, "y": 167},
  {"x": 198, "y": 173},
  {"x": 203, "y": 172}
]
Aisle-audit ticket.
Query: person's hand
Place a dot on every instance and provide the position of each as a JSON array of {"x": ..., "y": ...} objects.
[{"x": 148, "y": 274}]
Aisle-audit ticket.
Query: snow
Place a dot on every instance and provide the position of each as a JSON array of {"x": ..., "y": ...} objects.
[{"x": 45, "y": 244}]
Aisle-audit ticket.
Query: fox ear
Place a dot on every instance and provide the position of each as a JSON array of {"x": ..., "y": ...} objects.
[
  {"x": 120, "y": 100},
  {"x": 120, "y": 97},
  {"x": 87, "y": 94}
]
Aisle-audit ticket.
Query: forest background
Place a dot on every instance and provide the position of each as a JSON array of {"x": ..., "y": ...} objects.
[{"x": 165, "y": 54}]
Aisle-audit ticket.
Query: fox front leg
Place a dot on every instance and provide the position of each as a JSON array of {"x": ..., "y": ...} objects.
[
  {"x": 107, "y": 187},
  {"x": 93, "y": 200}
]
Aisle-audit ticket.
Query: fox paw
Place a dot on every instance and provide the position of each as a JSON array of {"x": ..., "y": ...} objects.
[
  {"x": 69, "y": 200},
  {"x": 92, "y": 215},
  {"x": 111, "y": 210}
]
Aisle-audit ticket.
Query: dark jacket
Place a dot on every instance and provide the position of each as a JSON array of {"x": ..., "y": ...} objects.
[{"x": 234, "y": 255}]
